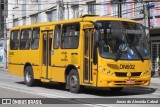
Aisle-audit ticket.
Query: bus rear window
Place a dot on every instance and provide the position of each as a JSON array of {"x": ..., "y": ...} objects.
[{"x": 14, "y": 40}]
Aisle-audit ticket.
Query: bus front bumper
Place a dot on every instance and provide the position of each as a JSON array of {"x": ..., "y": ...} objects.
[{"x": 124, "y": 82}]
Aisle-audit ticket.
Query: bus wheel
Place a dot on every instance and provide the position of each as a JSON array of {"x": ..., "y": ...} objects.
[
  {"x": 73, "y": 81},
  {"x": 28, "y": 76},
  {"x": 116, "y": 89}
]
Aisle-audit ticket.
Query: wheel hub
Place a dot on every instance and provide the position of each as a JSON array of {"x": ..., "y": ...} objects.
[
  {"x": 28, "y": 77},
  {"x": 73, "y": 81}
]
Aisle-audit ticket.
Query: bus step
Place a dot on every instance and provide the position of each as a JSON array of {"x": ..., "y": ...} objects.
[{"x": 45, "y": 80}]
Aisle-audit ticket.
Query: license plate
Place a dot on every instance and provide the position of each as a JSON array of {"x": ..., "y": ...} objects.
[{"x": 130, "y": 81}]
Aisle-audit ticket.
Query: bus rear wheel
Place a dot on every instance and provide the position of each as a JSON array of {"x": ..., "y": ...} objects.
[
  {"x": 116, "y": 89},
  {"x": 73, "y": 81},
  {"x": 29, "y": 77}
]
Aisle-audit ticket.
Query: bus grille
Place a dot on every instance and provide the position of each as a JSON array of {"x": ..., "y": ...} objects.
[{"x": 124, "y": 74}]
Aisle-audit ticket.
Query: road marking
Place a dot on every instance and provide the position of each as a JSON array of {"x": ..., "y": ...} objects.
[
  {"x": 7, "y": 75},
  {"x": 52, "y": 96},
  {"x": 157, "y": 94},
  {"x": 36, "y": 93}
]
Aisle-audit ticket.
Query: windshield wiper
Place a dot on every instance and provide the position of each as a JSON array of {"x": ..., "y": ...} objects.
[
  {"x": 137, "y": 52},
  {"x": 118, "y": 55}
]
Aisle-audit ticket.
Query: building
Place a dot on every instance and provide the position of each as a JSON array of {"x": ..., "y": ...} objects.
[
  {"x": 1, "y": 31},
  {"x": 25, "y": 12}
]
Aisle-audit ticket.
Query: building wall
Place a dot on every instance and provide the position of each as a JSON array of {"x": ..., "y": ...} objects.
[
  {"x": 25, "y": 9},
  {"x": 23, "y": 12}
]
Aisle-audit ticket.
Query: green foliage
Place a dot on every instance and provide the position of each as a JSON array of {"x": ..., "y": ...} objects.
[{"x": 159, "y": 63}]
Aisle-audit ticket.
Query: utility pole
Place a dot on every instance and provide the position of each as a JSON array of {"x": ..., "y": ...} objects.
[
  {"x": 60, "y": 9},
  {"x": 146, "y": 18},
  {"x": 120, "y": 8},
  {"x": 67, "y": 11},
  {"x": 5, "y": 33},
  {"x": 0, "y": 20},
  {"x": 58, "y": 3}
]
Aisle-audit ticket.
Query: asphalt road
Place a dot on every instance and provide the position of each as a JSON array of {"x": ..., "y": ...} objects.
[{"x": 14, "y": 87}]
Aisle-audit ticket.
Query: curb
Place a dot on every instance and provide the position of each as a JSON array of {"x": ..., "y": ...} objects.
[{"x": 2, "y": 69}]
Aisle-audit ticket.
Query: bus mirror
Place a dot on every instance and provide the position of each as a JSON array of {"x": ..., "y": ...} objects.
[
  {"x": 96, "y": 26},
  {"x": 95, "y": 45},
  {"x": 96, "y": 36},
  {"x": 95, "y": 54}
]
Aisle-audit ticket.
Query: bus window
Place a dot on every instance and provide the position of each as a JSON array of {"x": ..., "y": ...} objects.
[
  {"x": 25, "y": 39},
  {"x": 57, "y": 34},
  {"x": 14, "y": 40},
  {"x": 70, "y": 36},
  {"x": 35, "y": 38}
]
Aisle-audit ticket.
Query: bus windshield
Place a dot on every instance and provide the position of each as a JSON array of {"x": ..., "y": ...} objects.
[{"x": 122, "y": 40}]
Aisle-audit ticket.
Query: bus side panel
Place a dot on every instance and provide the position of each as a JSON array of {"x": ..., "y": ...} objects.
[
  {"x": 36, "y": 72},
  {"x": 14, "y": 69},
  {"x": 57, "y": 70},
  {"x": 14, "y": 62},
  {"x": 58, "y": 74},
  {"x": 31, "y": 57},
  {"x": 60, "y": 60}
]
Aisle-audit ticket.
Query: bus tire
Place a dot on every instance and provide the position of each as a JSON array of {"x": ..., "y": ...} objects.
[
  {"x": 73, "y": 81},
  {"x": 116, "y": 89},
  {"x": 29, "y": 77}
]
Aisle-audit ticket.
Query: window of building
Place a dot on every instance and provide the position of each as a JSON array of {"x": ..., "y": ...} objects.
[
  {"x": 34, "y": 0},
  {"x": 1, "y": 45},
  {"x": 24, "y": 20},
  {"x": 35, "y": 38},
  {"x": 14, "y": 40},
  {"x": 15, "y": 3},
  {"x": 24, "y": 8},
  {"x": 34, "y": 18},
  {"x": 124, "y": 10},
  {"x": 70, "y": 36},
  {"x": 54, "y": 15},
  {"x": 114, "y": 8},
  {"x": 138, "y": 7},
  {"x": 15, "y": 22},
  {"x": 49, "y": 16},
  {"x": 75, "y": 9},
  {"x": 57, "y": 34},
  {"x": 25, "y": 39},
  {"x": 91, "y": 7}
]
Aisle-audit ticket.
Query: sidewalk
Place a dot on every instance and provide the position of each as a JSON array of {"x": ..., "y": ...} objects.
[
  {"x": 155, "y": 80},
  {"x": 1, "y": 64}
]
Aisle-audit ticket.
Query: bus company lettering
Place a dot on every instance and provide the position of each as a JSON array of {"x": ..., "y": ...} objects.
[
  {"x": 88, "y": 26},
  {"x": 127, "y": 66},
  {"x": 65, "y": 56},
  {"x": 11, "y": 53}
]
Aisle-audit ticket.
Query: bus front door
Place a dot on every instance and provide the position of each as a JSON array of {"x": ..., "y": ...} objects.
[
  {"x": 88, "y": 56},
  {"x": 46, "y": 54}
]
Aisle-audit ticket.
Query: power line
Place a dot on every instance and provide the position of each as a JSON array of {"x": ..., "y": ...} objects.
[
  {"x": 21, "y": 18},
  {"x": 71, "y": 3},
  {"x": 29, "y": 4},
  {"x": 126, "y": 12}
]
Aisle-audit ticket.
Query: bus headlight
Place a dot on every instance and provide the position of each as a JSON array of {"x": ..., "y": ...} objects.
[
  {"x": 102, "y": 69},
  {"x": 147, "y": 72},
  {"x": 108, "y": 72}
]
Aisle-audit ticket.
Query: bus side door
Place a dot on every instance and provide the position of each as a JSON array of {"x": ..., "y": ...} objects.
[
  {"x": 88, "y": 55},
  {"x": 46, "y": 54}
]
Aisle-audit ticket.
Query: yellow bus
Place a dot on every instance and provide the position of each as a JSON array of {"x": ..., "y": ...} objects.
[{"x": 87, "y": 51}]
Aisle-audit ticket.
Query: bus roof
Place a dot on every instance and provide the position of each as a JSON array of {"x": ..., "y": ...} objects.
[{"x": 83, "y": 18}]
